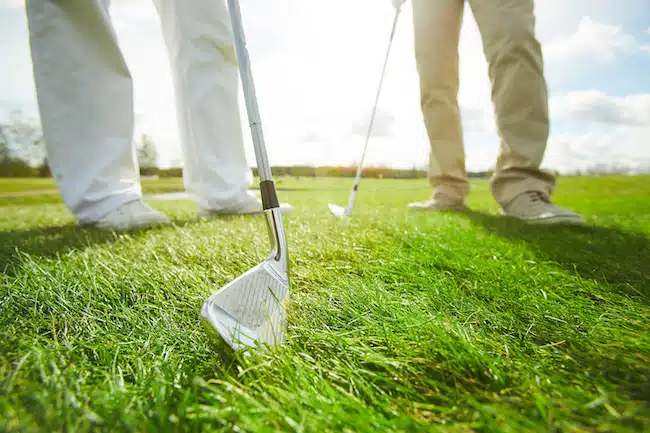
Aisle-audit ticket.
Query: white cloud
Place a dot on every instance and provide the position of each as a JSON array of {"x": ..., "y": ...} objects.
[
  {"x": 477, "y": 119},
  {"x": 599, "y": 107},
  {"x": 620, "y": 146},
  {"x": 618, "y": 131},
  {"x": 604, "y": 42},
  {"x": 12, "y": 4},
  {"x": 381, "y": 127},
  {"x": 646, "y": 48}
]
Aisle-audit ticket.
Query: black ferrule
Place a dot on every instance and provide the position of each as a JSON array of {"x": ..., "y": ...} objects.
[{"x": 269, "y": 195}]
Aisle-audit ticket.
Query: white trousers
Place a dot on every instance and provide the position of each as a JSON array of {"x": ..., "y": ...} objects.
[{"x": 85, "y": 98}]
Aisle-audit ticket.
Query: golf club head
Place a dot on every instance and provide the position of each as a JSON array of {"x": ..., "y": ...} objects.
[
  {"x": 338, "y": 211},
  {"x": 249, "y": 310},
  {"x": 252, "y": 309}
]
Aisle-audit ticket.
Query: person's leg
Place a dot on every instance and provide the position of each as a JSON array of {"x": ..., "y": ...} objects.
[
  {"x": 84, "y": 93},
  {"x": 520, "y": 98},
  {"x": 437, "y": 27},
  {"x": 205, "y": 72},
  {"x": 519, "y": 95}
]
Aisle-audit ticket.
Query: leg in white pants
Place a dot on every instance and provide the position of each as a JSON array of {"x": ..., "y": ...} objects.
[
  {"x": 199, "y": 40},
  {"x": 85, "y": 98},
  {"x": 86, "y": 105}
]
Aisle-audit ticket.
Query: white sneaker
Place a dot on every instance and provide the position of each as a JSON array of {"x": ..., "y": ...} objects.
[
  {"x": 134, "y": 214},
  {"x": 250, "y": 207},
  {"x": 534, "y": 207}
]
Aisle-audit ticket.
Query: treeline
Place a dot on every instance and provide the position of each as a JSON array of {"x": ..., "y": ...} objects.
[
  {"x": 23, "y": 154},
  {"x": 345, "y": 171},
  {"x": 17, "y": 167},
  {"x": 351, "y": 171},
  {"x": 22, "y": 150},
  {"x": 299, "y": 171}
]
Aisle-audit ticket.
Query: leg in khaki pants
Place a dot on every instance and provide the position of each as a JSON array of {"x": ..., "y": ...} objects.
[
  {"x": 519, "y": 96},
  {"x": 437, "y": 26}
]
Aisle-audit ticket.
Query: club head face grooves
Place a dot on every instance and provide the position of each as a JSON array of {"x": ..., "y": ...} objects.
[{"x": 250, "y": 311}]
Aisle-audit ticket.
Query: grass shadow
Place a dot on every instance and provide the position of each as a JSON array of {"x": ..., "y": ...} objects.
[
  {"x": 618, "y": 257},
  {"x": 49, "y": 242}
]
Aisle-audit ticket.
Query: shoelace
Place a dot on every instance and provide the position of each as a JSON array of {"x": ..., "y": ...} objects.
[
  {"x": 536, "y": 196},
  {"x": 537, "y": 203}
]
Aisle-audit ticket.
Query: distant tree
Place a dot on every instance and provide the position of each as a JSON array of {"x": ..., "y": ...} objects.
[
  {"x": 15, "y": 167},
  {"x": 23, "y": 138},
  {"x": 4, "y": 145},
  {"x": 44, "y": 169},
  {"x": 147, "y": 153}
]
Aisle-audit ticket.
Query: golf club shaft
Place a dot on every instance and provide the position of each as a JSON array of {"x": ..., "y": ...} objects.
[
  {"x": 267, "y": 188},
  {"x": 353, "y": 194},
  {"x": 270, "y": 202}
]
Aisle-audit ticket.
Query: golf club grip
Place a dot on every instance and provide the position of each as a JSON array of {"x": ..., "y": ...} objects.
[{"x": 248, "y": 85}]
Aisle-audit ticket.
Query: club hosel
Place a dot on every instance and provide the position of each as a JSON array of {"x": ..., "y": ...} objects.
[
  {"x": 277, "y": 237},
  {"x": 353, "y": 197}
]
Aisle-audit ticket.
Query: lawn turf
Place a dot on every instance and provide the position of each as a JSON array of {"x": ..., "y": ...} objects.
[{"x": 399, "y": 321}]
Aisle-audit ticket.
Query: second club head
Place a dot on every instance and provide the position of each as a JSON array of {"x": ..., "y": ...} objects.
[{"x": 338, "y": 211}]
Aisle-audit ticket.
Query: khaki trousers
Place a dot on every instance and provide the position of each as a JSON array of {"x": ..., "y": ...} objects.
[{"x": 519, "y": 94}]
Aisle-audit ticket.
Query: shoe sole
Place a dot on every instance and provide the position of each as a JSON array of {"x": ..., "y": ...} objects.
[
  {"x": 550, "y": 220},
  {"x": 436, "y": 209},
  {"x": 109, "y": 227}
]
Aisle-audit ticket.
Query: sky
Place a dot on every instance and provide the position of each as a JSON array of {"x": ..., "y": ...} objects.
[{"x": 317, "y": 64}]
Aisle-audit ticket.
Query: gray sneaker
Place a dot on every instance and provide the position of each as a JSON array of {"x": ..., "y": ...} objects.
[{"x": 534, "y": 207}]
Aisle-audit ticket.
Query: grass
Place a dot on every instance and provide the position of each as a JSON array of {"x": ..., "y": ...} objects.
[
  {"x": 9, "y": 186},
  {"x": 22, "y": 191},
  {"x": 399, "y": 321},
  {"x": 14, "y": 185},
  {"x": 149, "y": 185}
]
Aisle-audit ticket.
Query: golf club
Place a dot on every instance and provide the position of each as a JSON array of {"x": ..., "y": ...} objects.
[
  {"x": 250, "y": 311},
  {"x": 340, "y": 211}
]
